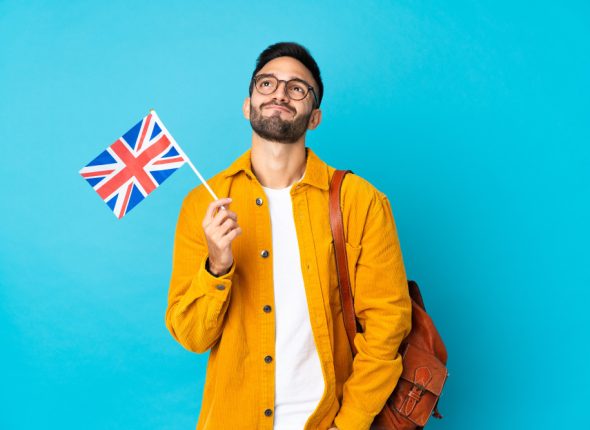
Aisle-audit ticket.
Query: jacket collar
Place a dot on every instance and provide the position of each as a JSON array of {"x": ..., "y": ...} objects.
[{"x": 316, "y": 171}]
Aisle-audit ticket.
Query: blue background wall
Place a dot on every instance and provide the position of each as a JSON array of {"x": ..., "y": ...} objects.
[{"x": 472, "y": 116}]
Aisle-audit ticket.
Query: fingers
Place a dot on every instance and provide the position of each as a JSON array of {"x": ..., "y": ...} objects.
[
  {"x": 219, "y": 224},
  {"x": 222, "y": 217},
  {"x": 226, "y": 226},
  {"x": 228, "y": 238},
  {"x": 220, "y": 228},
  {"x": 214, "y": 216},
  {"x": 214, "y": 205}
]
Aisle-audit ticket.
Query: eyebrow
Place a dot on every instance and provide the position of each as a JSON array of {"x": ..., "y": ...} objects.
[{"x": 292, "y": 78}]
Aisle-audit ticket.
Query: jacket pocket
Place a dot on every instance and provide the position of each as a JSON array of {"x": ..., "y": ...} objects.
[{"x": 353, "y": 253}]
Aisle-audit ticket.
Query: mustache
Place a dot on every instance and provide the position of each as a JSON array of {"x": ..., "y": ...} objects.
[{"x": 277, "y": 104}]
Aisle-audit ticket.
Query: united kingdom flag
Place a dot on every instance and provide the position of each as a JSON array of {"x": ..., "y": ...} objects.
[{"x": 135, "y": 165}]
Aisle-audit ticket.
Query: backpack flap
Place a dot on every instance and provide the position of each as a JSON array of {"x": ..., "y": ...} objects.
[{"x": 419, "y": 386}]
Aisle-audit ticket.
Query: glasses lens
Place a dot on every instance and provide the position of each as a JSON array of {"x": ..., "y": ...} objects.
[
  {"x": 297, "y": 90},
  {"x": 266, "y": 84}
]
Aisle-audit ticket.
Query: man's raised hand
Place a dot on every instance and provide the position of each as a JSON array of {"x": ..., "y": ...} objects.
[{"x": 221, "y": 228}]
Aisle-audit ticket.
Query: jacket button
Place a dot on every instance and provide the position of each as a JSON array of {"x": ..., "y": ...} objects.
[
  {"x": 264, "y": 253},
  {"x": 259, "y": 201},
  {"x": 266, "y": 308},
  {"x": 268, "y": 359},
  {"x": 268, "y": 412},
  {"x": 220, "y": 287}
]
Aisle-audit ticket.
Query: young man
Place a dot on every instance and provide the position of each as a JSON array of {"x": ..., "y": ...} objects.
[{"x": 254, "y": 276}]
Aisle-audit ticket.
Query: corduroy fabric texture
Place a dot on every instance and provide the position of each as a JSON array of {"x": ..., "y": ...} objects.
[{"x": 226, "y": 314}]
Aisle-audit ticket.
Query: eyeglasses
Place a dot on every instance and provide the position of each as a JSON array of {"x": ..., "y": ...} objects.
[{"x": 297, "y": 89}]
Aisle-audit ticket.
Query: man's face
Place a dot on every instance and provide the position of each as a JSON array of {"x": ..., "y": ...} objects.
[{"x": 277, "y": 117}]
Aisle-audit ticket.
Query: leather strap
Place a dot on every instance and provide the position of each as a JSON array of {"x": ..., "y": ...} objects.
[{"x": 336, "y": 224}]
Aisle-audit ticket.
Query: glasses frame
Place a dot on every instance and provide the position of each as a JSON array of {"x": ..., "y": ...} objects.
[{"x": 307, "y": 85}]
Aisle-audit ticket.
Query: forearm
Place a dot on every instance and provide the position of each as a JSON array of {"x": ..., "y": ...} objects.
[
  {"x": 368, "y": 387},
  {"x": 195, "y": 317}
]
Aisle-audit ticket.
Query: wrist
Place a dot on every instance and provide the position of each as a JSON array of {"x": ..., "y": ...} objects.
[{"x": 215, "y": 270}]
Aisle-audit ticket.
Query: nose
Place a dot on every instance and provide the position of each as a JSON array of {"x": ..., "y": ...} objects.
[{"x": 281, "y": 92}]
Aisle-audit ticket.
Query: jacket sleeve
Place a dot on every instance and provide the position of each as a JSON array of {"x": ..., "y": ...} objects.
[
  {"x": 383, "y": 306},
  {"x": 197, "y": 300}
]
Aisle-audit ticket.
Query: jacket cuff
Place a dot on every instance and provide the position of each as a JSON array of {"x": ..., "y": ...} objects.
[
  {"x": 213, "y": 286},
  {"x": 349, "y": 418}
]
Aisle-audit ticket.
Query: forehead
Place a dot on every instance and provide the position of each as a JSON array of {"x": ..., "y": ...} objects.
[{"x": 288, "y": 68}]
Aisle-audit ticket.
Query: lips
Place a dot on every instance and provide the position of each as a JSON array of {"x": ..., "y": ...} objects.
[{"x": 277, "y": 107}]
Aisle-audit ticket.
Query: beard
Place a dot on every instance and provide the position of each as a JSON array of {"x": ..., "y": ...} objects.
[{"x": 276, "y": 129}]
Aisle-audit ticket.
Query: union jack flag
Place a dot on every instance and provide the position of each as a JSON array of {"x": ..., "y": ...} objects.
[{"x": 135, "y": 165}]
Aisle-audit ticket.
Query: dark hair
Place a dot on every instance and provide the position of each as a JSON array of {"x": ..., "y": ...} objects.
[{"x": 293, "y": 50}]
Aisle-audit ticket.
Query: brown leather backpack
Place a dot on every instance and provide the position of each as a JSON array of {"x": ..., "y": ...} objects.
[{"x": 424, "y": 355}]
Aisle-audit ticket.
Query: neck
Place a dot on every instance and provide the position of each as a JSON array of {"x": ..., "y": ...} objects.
[{"x": 277, "y": 165}]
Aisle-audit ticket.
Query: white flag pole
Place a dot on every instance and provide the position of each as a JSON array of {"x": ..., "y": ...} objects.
[
  {"x": 197, "y": 173},
  {"x": 188, "y": 160}
]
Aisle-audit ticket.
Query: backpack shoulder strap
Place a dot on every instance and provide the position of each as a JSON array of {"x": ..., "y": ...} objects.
[{"x": 337, "y": 227}]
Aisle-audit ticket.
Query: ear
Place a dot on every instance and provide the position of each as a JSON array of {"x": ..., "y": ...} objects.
[
  {"x": 246, "y": 108},
  {"x": 315, "y": 119}
]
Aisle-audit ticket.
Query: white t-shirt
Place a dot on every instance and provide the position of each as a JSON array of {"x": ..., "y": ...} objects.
[{"x": 298, "y": 373}]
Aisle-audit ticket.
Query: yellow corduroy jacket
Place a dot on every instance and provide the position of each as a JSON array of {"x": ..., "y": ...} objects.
[{"x": 233, "y": 315}]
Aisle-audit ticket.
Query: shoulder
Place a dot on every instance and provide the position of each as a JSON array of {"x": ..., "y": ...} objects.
[
  {"x": 200, "y": 192},
  {"x": 363, "y": 205},
  {"x": 358, "y": 191},
  {"x": 198, "y": 199},
  {"x": 220, "y": 184}
]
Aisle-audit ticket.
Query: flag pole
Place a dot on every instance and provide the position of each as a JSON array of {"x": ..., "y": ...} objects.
[
  {"x": 199, "y": 175},
  {"x": 188, "y": 160}
]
